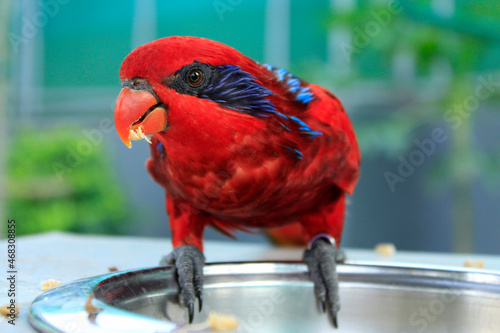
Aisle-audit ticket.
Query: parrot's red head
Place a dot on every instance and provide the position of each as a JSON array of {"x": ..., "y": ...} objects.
[{"x": 181, "y": 78}]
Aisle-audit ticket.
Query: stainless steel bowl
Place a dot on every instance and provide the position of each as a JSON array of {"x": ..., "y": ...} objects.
[{"x": 278, "y": 297}]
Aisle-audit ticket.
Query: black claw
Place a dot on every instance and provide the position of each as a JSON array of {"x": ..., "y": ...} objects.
[
  {"x": 191, "y": 312},
  {"x": 200, "y": 301},
  {"x": 334, "y": 321},
  {"x": 323, "y": 305}
]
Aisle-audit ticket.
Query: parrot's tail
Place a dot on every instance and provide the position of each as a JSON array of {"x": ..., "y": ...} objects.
[{"x": 288, "y": 235}]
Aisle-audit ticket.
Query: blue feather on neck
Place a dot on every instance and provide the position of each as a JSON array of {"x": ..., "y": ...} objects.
[
  {"x": 236, "y": 89},
  {"x": 303, "y": 94}
]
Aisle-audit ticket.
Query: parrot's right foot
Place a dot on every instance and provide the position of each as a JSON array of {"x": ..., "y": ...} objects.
[{"x": 189, "y": 262}]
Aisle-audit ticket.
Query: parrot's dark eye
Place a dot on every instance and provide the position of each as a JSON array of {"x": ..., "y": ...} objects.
[
  {"x": 194, "y": 76},
  {"x": 191, "y": 79}
]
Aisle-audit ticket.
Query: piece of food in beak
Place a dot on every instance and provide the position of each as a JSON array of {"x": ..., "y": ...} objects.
[{"x": 137, "y": 114}]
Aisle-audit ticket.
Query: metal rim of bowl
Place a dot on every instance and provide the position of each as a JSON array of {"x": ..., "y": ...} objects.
[{"x": 62, "y": 309}]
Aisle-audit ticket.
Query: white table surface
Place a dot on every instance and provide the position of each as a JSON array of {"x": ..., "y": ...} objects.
[{"x": 68, "y": 257}]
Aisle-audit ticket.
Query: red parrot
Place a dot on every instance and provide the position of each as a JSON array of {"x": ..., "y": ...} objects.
[{"x": 237, "y": 144}]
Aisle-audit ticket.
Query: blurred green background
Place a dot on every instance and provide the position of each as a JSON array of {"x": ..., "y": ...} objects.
[{"x": 419, "y": 79}]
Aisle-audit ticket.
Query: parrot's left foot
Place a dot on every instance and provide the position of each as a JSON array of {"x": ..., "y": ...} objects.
[
  {"x": 321, "y": 258},
  {"x": 189, "y": 262}
]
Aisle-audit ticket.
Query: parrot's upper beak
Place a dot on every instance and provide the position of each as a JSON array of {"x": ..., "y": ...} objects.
[{"x": 137, "y": 114}]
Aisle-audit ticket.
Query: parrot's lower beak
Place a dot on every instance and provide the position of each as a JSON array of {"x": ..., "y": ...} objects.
[{"x": 137, "y": 114}]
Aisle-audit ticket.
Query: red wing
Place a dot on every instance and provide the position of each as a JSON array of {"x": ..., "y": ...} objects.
[{"x": 339, "y": 146}]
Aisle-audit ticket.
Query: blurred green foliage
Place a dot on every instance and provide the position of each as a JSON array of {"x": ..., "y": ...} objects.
[
  {"x": 445, "y": 64},
  {"x": 446, "y": 50},
  {"x": 58, "y": 180}
]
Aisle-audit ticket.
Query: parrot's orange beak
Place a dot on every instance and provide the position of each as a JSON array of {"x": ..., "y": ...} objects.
[{"x": 137, "y": 114}]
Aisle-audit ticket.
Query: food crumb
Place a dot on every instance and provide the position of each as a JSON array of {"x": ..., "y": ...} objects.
[
  {"x": 474, "y": 263},
  {"x": 216, "y": 322},
  {"x": 221, "y": 322},
  {"x": 385, "y": 249},
  {"x": 50, "y": 283},
  {"x": 5, "y": 310},
  {"x": 90, "y": 308},
  {"x": 113, "y": 269}
]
